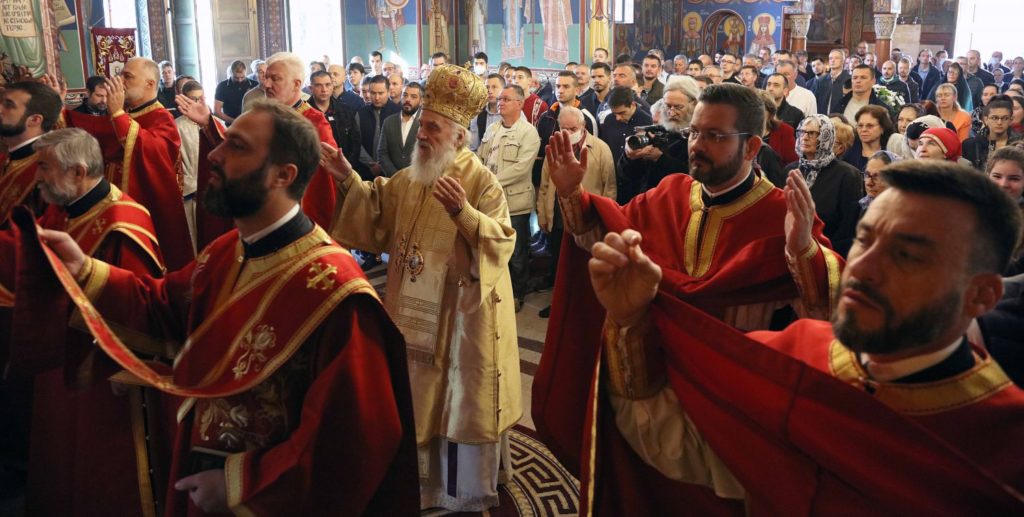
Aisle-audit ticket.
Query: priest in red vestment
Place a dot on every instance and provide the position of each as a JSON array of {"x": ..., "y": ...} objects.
[
  {"x": 90, "y": 452},
  {"x": 284, "y": 78},
  {"x": 27, "y": 111},
  {"x": 142, "y": 151},
  {"x": 296, "y": 394},
  {"x": 887, "y": 410},
  {"x": 724, "y": 236}
]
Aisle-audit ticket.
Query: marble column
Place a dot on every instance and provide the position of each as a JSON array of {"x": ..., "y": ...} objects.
[
  {"x": 800, "y": 24},
  {"x": 885, "y": 25}
]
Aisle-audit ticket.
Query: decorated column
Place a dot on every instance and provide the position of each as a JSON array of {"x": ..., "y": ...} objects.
[
  {"x": 799, "y": 25},
  {"x": 885, "y": 25}
]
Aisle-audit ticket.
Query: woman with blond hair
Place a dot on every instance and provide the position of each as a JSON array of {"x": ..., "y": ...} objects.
[{"x": 951, "y": 111}]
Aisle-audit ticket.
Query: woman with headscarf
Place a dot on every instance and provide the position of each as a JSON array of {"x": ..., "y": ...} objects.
[
  {"x": 835, "y": 185},
  {"x": 955, "y": 76}
]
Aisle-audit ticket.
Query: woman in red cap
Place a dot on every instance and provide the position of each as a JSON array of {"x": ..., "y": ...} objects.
[{"x": 939, "y": 143}]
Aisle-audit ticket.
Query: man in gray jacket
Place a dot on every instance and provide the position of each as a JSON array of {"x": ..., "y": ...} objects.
[
  {"x": 398, "y": 132},
  {"x": 508, "y": 149}
]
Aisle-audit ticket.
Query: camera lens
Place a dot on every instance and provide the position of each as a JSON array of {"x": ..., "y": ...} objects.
[{"x": 638, "y": 141}]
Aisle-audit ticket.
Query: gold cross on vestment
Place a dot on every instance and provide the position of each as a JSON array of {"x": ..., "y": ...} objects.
[
  {"x": 98, "y": 225},
  {"x": 322, "y": 276}
]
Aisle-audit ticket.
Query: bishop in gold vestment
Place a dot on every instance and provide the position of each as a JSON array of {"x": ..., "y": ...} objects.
[{"x": 444, "y": 221}]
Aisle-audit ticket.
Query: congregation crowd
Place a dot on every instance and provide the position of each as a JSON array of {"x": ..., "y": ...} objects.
[{"x": 858, "y": 215}]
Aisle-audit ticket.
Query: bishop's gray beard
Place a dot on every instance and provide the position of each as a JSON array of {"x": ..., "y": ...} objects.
[{"x": 426, "y": 168}]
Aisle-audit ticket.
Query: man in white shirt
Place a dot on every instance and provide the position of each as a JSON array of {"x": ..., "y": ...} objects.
[{"x": 799, "y": 97}]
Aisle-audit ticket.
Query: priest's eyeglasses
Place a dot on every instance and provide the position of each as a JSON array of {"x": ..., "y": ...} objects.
[{"x": 692, "y": 135}]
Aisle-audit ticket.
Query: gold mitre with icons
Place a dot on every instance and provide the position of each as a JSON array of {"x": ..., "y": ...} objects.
[{"x": 454, "y": 93}]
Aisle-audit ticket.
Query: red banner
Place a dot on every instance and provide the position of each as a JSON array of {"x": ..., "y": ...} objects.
[{"x": 111, "y": 49}]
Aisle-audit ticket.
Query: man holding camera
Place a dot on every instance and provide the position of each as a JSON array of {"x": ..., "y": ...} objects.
[{"x": 660, "y": 150}]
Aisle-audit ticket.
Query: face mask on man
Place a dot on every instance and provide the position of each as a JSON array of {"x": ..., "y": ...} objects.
[
  {"x": 479, "y": 69},
  {"x": 576, "y": 137}
]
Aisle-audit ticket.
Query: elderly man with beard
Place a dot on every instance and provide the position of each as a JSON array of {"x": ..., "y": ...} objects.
[
  {"x": 445, "y": 222},
  {"x": 99, "y": 475},
  {"x": 285, "y": 73},
  {"x": 311, "y": 414},
  {"x": 730, "y": 243},
  {"x": 932, "y": 410},
  {"x": 141, "y": 150},
  {"x": 642, "y": 169}
]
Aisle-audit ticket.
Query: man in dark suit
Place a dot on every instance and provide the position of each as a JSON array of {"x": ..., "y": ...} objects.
[
  {"x": 398, "y": 134},
  {"x": 829, "y": 87},
  {"x": 371, "y": 117}
]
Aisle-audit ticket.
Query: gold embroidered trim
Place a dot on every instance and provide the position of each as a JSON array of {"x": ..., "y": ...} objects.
[
  {"x": 10, "y": 194},
  {"x": 142, "y": 466},
  {"x": 801, "y": 269},
  {"x": 129, "y": 148},
  {"x": 6, "y": 297},
  {"x": 145, "y": 111},
  {"x": 233, "y": 482},
  {"x": 95, "y": 279},
  {"x": 629, "y": 373},
  {"x": 985, "y": 379},
  {"x": 592, "y": 453},
  {"x": 834, "y": 271},
  {"x": 698, "y": 261},
  {"x": 572, "y": 213},
  {"x": 185, "y": 407}
]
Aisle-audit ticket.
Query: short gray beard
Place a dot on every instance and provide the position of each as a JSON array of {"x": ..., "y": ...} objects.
[
  {"x": 426, "y": 169},
  {"x": 57, "y": 195}
]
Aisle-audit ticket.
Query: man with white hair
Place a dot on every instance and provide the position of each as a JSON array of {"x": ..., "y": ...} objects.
[
  {"x": 141, "y": 150},
  {"x": 445, "y": 222},
  {"x": 642, "y": 169},
  {"x": 285, "y": 74}
]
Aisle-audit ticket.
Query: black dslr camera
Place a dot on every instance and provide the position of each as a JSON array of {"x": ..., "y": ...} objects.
[{"x": 656, "y": 135}]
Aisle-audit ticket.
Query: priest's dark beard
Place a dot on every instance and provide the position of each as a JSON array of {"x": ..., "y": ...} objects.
[
  {"x": 706, "y": 172},
  {"x": 237, "y": 198},
  {"x": 917, "y": 329},
  {"x": 7, "y": 130}
]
